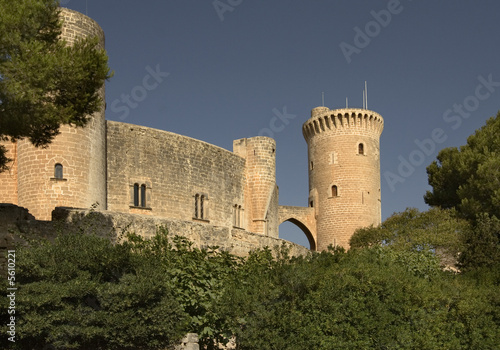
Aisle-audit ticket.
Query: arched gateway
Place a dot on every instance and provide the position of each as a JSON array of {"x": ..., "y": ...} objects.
[{"x": 303, "y": 217}]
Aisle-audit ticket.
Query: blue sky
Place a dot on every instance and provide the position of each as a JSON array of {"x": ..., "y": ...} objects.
[{"x": 225, "y": 69}]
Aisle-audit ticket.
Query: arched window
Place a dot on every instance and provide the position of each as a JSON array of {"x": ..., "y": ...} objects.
[
  {"x": 335, "y": 192},
  {"x": 200, "y": 206},
  {"x": 143, "y": 195},
  {"x": 136, "y": 195},
  {"x": 140, "y": 195},
  {"x": 361, "y": 148},
  {"x": 58, "y": 171}
]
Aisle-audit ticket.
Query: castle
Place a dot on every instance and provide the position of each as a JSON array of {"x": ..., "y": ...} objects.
[{"x": 133, "y": 169}]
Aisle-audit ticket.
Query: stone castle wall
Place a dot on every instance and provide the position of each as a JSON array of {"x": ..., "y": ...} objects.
[
  {"x": 8, "y": 178},
  {"x": 113, "y": 224},
  {"x": 343, "y": 151},
  {"x": 175, "y": 169}
]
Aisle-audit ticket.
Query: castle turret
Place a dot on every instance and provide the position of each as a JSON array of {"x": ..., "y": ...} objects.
[
  {"x": 344, "y": 171},
  {"x": 71, "y": 171},
  {"x": 261, "y": 192}
]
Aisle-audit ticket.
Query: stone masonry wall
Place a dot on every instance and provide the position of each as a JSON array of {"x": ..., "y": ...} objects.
[
  {"x": 77, "y": 25},
  {"x": 273, "y": 214},
  {"x": 235, "y": 241},
  {"x": 175, "y": 169},
  {"x": 260, "y": 186},
  {"x": 8, "y": 178},
  {"x": 113, "y": 224}
]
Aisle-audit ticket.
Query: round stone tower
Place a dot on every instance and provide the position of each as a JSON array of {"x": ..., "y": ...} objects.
[
  {"x": 344, "y": 171},
  {"x": 71, "y": 171},
  {"x": 261, "y": 193}
]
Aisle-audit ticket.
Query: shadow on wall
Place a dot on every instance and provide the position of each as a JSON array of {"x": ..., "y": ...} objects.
[{"x": 17, "y": 226}]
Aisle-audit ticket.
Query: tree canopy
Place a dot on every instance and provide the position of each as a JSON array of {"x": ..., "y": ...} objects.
[
  {"x": 468, "y": 178},
  {"x": 44, "y": 83}
]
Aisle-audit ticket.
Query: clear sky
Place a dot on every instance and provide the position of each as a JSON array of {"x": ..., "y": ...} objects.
[{"x": 224, "y": 70}]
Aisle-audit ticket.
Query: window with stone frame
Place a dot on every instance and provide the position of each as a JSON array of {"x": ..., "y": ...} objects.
[
  {"x": 139, "y": 194},
  {"x": 237, "y": 216},
  {"x": 361, "y": 149},
  {"x": 200, "y": 206},
  {"x": 335, "y": 191},
  {"x": 58, "y": 171}
]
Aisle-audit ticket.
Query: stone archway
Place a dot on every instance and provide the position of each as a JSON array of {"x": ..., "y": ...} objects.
[{"x": 303, "y": 217}]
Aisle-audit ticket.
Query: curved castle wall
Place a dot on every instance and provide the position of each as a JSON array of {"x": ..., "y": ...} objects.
[
  {"x": 80, "y": 151},
  {"x": 175, "y": 169},
  {"x": 344, "y": 171}
]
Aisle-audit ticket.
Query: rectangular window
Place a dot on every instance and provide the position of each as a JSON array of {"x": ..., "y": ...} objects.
[
  {"x": 143, "y": 195},
  {"x": 196, "y": 198}
]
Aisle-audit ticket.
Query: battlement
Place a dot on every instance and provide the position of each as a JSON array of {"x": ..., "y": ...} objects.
[{"x": 343, "y": 121}]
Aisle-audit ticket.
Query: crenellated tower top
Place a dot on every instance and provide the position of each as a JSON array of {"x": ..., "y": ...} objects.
[{"x": 343, "y": 121}]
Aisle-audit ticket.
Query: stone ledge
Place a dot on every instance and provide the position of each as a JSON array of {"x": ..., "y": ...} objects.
[{"x": 113, "y": 225}]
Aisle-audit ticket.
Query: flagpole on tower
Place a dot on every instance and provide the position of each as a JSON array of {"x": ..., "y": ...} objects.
[{"x": 366, "y": 96}]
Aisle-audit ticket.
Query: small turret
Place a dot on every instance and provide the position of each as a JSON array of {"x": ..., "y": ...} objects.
[{"x": 261, "y": 192}]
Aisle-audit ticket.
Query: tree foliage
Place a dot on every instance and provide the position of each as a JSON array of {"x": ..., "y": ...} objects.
[
  {"x": 82, "y": 292},
  {"x": 482, "y": 244},
  {"x": 44, "y": 83},
  {"x": 85, "y": 292},
  {"x": 434, "y": 230},
  {"x": 374, "y": 298},
  {"x": 468, "y": 178}
]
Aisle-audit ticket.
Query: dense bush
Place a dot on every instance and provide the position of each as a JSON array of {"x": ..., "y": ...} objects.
[
  {"x": 83, "y": 292},
  {"x": 375, "y": 298}
]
